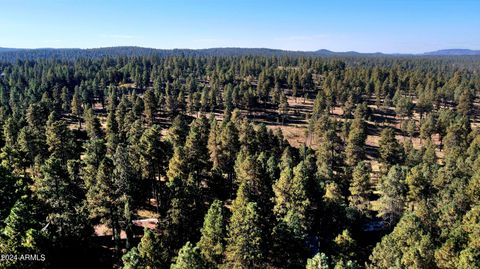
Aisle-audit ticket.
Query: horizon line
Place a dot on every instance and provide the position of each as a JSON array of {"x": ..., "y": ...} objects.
[{"x": 234, "y": 47}]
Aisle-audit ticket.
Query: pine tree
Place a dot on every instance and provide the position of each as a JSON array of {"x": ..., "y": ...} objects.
[
  {"x": 403, "y": 105},
  {"x": 92, "y": 125},
  {"x": 211, "y": 242},
  {"x": 138, "y": 107},
  {"x": 132, "y": 260},
  {"x": 152, "y": 159},
  {"x": 112, "y": 132},
  {"x": 360, "y": 188},
  {"x": 19, "y": 233},
  {"x": 212, "y": 98},
  {"x": 184, "y": 214},
  {"x": 283, "y": 107},
  {"x": 329, "y": 155},
  {"x": 291, "y": 201},
  {"x": 393, "y": 192},
  {"x": 146, "y": 254},
  {"x": 150, "y": 102},
  {"x": 63, "y": 197},
  {"x": 418, "y": 183},
  {"x": 456, "y": 137},
  {"x": 189, "y": 257},
  {"x": 177, "y": 167},
  {"x": 95, "y": 151},
  {"x": 245, "y": 239},
  {"x": 29, "y": 146},
  {"x": 429, "y": 155},
  {"x": 345, "y": 245},
  {"x": 171, "y": 104},
  {"x": 10, "y": 191},
  {"x": 286, "y": 160},
  {"x": 60, "y": 139},
  {"x": 104, "y": 199},
  {"x": 228, "y": 149},
  {"x": 256, "y": 189},
  {"x": 32, "y": 138},
  {"x": 246, "y": 136},
  {"x": 178, "y": 131},
  {"x": 319, "y": 261},
  {"x": 77, "y": 108},
  {"x": 409, "y": 246},
  {"x": 355, "y": 149},
  {"x": 291, "y": 209},
  {"x": 148, "y": 249},
  {"x": 469, "y": 255},
  {"x": 391, "y": 152},
  {"x": 197, "y": 158},
  {"x": 465, "y": 103},
  {"x": 126, "y": 182},
  {"x": 120, "y": 113},
  {"x": 428, "y": 126},
  {"x": 65, "y": 100},
  {"x": 213, "y": 144},
  {"x": 204, "y": 100}
]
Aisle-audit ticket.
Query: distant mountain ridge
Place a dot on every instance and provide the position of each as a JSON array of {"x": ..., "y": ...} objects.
[
  {"x": 12, "y": 54},
  {"x": 453, "y": 52}
]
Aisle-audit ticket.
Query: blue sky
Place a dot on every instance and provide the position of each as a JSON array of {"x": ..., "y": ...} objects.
[{"x": 390, "y": 26}]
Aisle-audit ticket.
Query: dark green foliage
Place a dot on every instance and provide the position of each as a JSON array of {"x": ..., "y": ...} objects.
[
  {"x": 245, "y": 242},
  {"x": 355, "y": 149},
  {"x": 178, "y": 132},
  {"x": 211, "y": 244},
  {"x": 391, "y": 152},
  {"x": 58, "y": 188},
  {"x": 319, "y": 261},
  {"x": 189, "y": 257},
  {"x": 167, "y": 136},
  {"x": 291, "y": 210},
  {"x": 360, "y": 188},
  {"x": 146, "y": 254},
  {"x": 60, "y": 140},
  {"x": 197, "y": 157},
  {"x": 410, "y": 245},
  {"x": 393, "y": 192},
  {"x": 185, "y": 213},
  {"x": 21, "y": 233},
  {"x": 10, "y": 190}
]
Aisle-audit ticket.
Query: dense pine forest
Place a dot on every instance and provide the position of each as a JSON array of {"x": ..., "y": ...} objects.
[{"x": 268, "y": 160}]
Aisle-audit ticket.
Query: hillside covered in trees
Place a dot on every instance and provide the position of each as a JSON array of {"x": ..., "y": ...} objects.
[{"x": 255, "y": 160}]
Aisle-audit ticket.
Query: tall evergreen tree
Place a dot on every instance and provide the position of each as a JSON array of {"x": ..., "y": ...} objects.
[
  {"x": 391, "y": 152},
  {"x": 319, "y": 261},
  {"x": 360, "y": 188},
  {"x": 146, "y": 254},
  {"x": 211, "y": 242},
  {"x": 77, "y": 108},
  {"x": 59, "y": 189},
  {"x": 355, "y": 149},
  {"x": 150, "y": 102},
  {"x": 60, "y": 139},
  {"x": 189, "y": 257},
  {"x": 393, "y": 192},
  {"x": 177, "y": 133},
  {"x": 197, "y": 158},
  {"x": 152, "y": 160},
  {"x": 103, "y": 199},
  {"x": 291, "y": 209},
  {"x": 92, "y": 124},
  {"x": 245, "y": 239},
  {"x": 329, "y": 155},
  {"x": 410, "y": 245}
]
